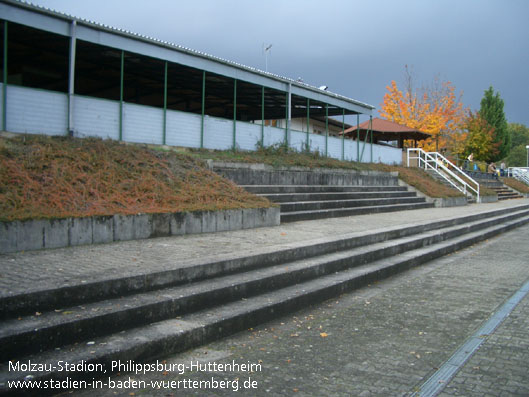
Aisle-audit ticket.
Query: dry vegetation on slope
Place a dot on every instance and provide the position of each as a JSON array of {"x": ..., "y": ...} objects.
[
  {"x": 56, "y": 177},
  {"x": 516, "y": 185}
]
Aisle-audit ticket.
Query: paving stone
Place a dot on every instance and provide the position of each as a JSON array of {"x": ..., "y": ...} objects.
[
  {"x": 138, "y": 257},
  {"x": 384, "y": 339}
]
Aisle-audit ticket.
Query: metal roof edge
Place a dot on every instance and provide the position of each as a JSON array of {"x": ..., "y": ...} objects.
[{"x": 45, "y": 10}]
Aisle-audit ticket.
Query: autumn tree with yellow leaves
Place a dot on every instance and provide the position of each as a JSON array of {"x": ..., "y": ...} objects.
[{"x": 436, "y": 111}]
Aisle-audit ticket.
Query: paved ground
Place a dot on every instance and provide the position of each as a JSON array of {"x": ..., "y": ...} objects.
[
  {"x": 382, "y": 340},
  {"x": 36, "y": 270}
]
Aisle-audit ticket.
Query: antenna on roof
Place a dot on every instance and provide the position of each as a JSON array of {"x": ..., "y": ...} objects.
[{"x": 266, "y": 49}]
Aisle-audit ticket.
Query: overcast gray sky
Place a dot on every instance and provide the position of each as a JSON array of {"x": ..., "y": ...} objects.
[{"x": 354, "y": 47}]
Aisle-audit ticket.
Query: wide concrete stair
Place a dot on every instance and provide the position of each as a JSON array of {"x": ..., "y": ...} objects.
[
  {"x": 471, "y": 199},
  {"x": 305, "y": 202},
  {"x": 503, "y": 191},
  {"x": 315, "y": 194},
  {"x": 142, "y": 318},
  {"x": 492, "y": 182}
]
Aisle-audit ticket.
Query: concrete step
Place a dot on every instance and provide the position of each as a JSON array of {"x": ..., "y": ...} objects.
[
  {"x": 326, "y": 196},
  {"x": 333, "y": 204},
  {"x": 505, "y": 193},
  {"x": 270, "y": 189},
  {"x": 193, "y": 271},
  {"x": 78, "y": 323},
  {"x": 509, "y": 197},
  {"x": 339, "y": 212},
  {"x": 492, "y": 183},
  {"x": 256, "y": 296}
]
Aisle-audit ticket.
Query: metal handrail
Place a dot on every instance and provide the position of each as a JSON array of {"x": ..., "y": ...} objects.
[
  {"x": 519, "y": 173},
  {"x": 439, "y": 161}
]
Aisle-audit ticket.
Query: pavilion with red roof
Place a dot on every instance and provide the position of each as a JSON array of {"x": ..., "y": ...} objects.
[{"x": 386, "y": 131}]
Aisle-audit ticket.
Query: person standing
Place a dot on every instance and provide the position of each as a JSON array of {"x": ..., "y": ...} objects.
[{"x": 468, "y": 162}]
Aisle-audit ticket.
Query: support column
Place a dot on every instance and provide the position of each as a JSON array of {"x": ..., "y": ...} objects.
[
  {"x": 343, "y": 134},
  {"x": 358, "y": 137},
  {"x": 71, "y": 77},
  {"x": 203, "y": 109},
  {"x": 121, "y": 96},
  {"x": 326, "y": 130},
  {"x": 286, "y": 119},
  {"x": 262, "y": 115},
  {"x": 371, "y": 135},
  {"x": 234, "y": 114},
  {"x": 164, "y": 139},
  {"x": 308, "y": 124},
  {"x": 287, "y": 115},
  {"x": 4, "y": 85}
]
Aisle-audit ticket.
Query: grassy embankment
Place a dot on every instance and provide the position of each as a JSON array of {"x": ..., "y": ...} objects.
[
  {"x": 516, "y": 185},
  {"x": 57, "y": 177}
]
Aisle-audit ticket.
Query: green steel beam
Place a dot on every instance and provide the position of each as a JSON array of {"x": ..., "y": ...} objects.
[
  {"x": 286, "y": 119},
  {"x": 165, "y": 105},
  {"x": 308, "y": 124},
  {"x": 71, "y": 77},
  {"x": 358, "y": 137},
  {"x": 234, "y": 113},
  {"x": 203, "y": 109},
  {"x": 121, "y": 95},
  {"x": 262, "y": 115},
  {"x": 4, "y": 85},
  {"x": 326, "y": 129},
  {"x": 289, "y": 114},
  {"x": 371, "y": 135},
  {"x": 343, "y": 134}
]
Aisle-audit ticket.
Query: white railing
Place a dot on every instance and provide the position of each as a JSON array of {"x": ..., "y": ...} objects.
[
  {"x": 448, "y": 171},
  {"x": 520, "y": 173}
]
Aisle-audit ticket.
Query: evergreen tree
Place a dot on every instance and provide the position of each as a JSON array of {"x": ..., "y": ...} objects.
[
  {"x": 519, "y": 134},
  {"x": 492, "y": 111}
]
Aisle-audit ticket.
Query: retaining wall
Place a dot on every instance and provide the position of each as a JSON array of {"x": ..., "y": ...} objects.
[
  {"x": 56, "y": 233},
  {"x": 261, "y": 174}
]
